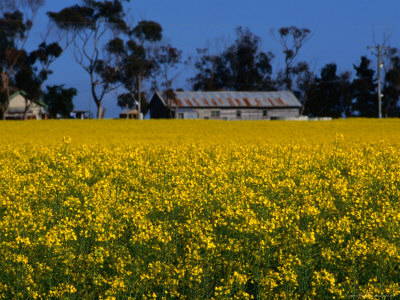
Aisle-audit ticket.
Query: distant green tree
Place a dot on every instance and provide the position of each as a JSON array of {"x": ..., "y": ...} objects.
[
  {"x": 212, "y": 73},
  {"x": 326, "y": 97},
  {"x": 91, "y": 24},
  {"x": 59, "y": 100},
  {"x": 391, "y": 90},
  {"x": 134, "y": 63},
  {"x": 364, "y": 88},
  {"x": 242, "y": 66},
  {"x": 34, "y": 70},
  {"x": 126, "y": 100},
  {"x": 249, "y": 67},
  {"x": 347, "y": 94}
]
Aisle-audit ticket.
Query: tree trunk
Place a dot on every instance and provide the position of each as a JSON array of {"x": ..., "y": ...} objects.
[
  {"x": 3, "y": 112},
  {"x": 4, "y": 89},
  {"x": 303, "y": 105},
  {"x": 99, "y": 109},
  {"x": 95, "y": 98},
  {"x": 26, "y": 109},
  {"x": 25, "y": 113},
  {"x": 288, "y": 81}
]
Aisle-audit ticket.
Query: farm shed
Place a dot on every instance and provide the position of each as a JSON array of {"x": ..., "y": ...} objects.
[
  {"x": 17, "y": 105},
  {"x": 225, "y": 105}
]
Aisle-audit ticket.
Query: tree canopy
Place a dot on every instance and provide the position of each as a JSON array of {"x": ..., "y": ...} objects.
[
  {"x": 242, "y": 66},
  {"x": 91, "y": 24},
  {"x": 14, "y": 33},
  {"x": 128, "y": 61},
  {"x": 59, "y": 100}
]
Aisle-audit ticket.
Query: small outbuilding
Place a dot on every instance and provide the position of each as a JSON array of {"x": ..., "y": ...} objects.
[
  {"x": 129, "y": 114},
  {"x": 81, "y": 114},
  {"x": 225, "y": 105}
]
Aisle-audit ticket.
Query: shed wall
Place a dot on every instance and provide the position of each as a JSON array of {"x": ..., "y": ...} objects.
[
  {"x": 245, "y": 114},
  {"x": 157, "y": 109}
]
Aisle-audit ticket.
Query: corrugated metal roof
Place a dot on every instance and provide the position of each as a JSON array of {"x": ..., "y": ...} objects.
[
  {"x": 130, "y": 111},
  {"x": 236, "y": 99}
]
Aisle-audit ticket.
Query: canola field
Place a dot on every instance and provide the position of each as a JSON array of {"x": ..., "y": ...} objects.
[{"x": 119, "y": 209}]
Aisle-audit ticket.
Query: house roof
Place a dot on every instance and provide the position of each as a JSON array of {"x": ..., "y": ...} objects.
[
  {"x": 234, "y": 99},
  {"x": 24, "y": 94},
  {"x": 17, "y": 93}
]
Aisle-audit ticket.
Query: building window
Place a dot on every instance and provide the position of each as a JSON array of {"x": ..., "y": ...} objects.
[
  {"x": 215, "y": 113},
  {"x": 265, "y": 113},
  {"x": 238, "y": 113}
]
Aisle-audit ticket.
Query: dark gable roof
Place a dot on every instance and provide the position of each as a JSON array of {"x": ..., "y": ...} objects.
[{"x": 234, "y": 99}]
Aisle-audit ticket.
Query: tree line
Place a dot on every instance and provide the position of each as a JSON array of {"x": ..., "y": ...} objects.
[{"x": 129, "y": 59}]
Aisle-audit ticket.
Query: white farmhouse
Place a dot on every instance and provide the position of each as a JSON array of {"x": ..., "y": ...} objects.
[{"x": 17, "y": 107}]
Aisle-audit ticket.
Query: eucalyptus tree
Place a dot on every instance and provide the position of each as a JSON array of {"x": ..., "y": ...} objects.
[
  {"x": 59, "y": 100},
  {"x": 329, "y": 94},
  {"x": 242, "y": 66},
  {"x": 134, "y": 63},
  {"x": 34, "y": 70},
  {"x": 292, "y": 39},
  {"x": 15, "y": 25},
  {"x": 304, "y": 84},
  {"x": 167, "y": 59},
  {"x": 92, "y": 24},
  {"x": 211, "y": 72},
  {"x": 249, "y": 68}
]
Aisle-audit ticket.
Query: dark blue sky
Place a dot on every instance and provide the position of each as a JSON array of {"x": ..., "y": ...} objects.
[{"x": 341, "y": 31}]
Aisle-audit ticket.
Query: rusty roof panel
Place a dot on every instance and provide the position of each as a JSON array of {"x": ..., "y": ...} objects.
[
  {"x": 234, "y": 99},
  {"x": 280, "y": 101},
  {"x": 265, "y": 102},
  {"x": 179, "y": 102},
  {"x": 205, "y": 102},
  {"x": 230, "y": 101},
  {"x": 190, "y": 104},
  {"x": 195, "y": 101},
  {"x": 247, "y": 101}
]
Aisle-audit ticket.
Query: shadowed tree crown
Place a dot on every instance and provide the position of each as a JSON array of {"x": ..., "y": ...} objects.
[
  {"x": 90, "y": 24},
  {"x": 242, "y": 66}
]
